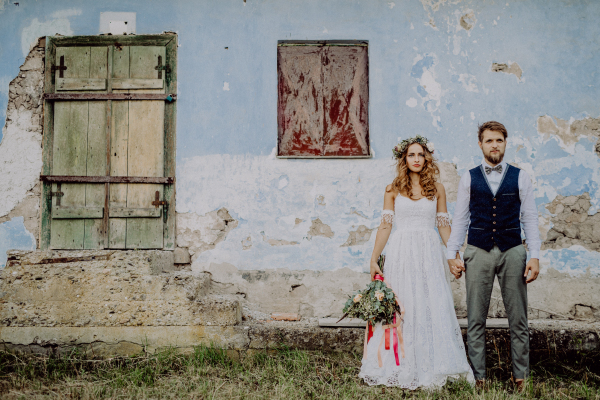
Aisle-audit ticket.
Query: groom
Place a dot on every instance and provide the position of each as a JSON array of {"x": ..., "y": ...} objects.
[{"x": 494, "y": 198}]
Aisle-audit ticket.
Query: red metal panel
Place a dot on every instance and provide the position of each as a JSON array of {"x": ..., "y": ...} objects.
[
  {"x": 300, "y": 101},
  {"x": 323, "y": 100},
  {"x": 346, "y": 100}
]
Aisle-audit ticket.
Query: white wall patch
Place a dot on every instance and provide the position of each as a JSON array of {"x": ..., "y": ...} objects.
[{"x": 117, "y": 23}]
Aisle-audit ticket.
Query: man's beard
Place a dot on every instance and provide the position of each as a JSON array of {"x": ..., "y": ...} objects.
[{"x": 497, "y": 159}]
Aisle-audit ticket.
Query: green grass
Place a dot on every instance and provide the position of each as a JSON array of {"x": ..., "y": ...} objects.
[{"x": 208, "y": 373}]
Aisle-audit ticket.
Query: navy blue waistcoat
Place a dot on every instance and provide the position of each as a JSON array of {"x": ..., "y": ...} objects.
[{"x": 495, "y": 218}]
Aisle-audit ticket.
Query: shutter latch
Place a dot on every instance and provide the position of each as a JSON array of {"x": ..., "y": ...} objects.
[
  {"x": 161, "y": 67},
  {"x": 163, "y": 203}
]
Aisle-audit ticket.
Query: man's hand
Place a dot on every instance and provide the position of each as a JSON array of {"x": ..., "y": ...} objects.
[
  {"x": 457, "y": 266},
  {"x": 534, "y": 266},
  {"x": 375, "y": 270}
]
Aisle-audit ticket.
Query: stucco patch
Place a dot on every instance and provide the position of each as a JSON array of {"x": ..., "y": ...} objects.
[
  {"x": 277, "y": 242},
  {"x": 510, "y": 68},
  {"x": 358, "y": 237},
  {"x": 318, "y": 228},
  {"x": 203, "y": 232},
  {"x": 468, "y": 20}
]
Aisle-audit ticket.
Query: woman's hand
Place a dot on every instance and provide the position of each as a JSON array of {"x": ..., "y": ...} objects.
[{"x": 375, "y": 270}]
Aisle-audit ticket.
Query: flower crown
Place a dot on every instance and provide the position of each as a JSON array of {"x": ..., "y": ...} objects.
[{"x": 403, "y": 145}]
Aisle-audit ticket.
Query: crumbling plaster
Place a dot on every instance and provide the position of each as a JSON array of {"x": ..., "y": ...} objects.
[
  {"x": 283, "y": 216},
  {"x": 21, "y": 148}
]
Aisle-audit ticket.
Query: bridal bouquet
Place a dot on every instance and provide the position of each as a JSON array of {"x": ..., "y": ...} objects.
[{"x": 378, "y": 303}]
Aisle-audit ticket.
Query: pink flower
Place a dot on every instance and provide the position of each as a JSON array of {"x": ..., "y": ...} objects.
[
  {"x": 357, "y": 298},
  {"x": 379, "y": 295}
]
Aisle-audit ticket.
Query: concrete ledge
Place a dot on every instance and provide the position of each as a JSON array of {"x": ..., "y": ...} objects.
[
  {"x": 139, "y": 338},
  {"x": 547, "y": 338}
]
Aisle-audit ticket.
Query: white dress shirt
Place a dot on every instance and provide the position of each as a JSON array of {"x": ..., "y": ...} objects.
[{"x": 462, "y": 215}]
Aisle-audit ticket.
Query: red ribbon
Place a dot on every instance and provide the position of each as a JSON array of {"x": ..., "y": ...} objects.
[{"x": 397, "y": 333}]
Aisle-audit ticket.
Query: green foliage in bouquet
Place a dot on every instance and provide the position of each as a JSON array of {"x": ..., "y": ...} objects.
[{"x": 376, "y": 303}]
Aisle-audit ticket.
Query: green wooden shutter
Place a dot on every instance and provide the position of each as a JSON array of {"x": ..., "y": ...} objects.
[{"x": 109, "y": 143}]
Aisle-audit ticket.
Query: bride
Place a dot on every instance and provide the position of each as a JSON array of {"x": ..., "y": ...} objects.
[{"x": 417, "y": 270}]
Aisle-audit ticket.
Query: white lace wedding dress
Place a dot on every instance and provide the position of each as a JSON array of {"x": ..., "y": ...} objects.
[{"x": 417, "y": 269}]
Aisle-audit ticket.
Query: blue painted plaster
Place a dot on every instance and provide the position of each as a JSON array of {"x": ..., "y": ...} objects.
[
  {"x": 554, "y": 43},
  {"x": 14, "y": 236}
]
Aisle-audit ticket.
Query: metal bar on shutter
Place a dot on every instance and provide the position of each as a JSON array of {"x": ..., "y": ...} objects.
[
  {"x": 108, "y": 96},
  {"x": 107, "y": 179}
]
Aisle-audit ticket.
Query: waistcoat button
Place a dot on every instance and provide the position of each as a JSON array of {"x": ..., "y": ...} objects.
[
  {"x": 494, "y": 215},
  {"x": 493, "y": 230},
  {"x": 494, "y": 199},
  {"x": 494, "y": 222},
  {"x": 494, "y": 207}
]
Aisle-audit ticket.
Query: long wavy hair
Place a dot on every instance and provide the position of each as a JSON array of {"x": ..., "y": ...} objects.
[{"x": 427, "y": 177}]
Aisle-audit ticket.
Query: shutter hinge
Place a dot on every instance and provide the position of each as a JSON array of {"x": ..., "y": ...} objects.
[
  {"x": 160, "y": 67},
  {"x": 58, "y": 194},
  {"x": 60, "y": 67}
]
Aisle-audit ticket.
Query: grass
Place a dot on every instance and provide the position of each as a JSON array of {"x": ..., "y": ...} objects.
[{"x": 208, "y": 373}]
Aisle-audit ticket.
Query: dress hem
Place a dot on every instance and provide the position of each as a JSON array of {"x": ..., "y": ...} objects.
[{"x": 436, "y": 385}]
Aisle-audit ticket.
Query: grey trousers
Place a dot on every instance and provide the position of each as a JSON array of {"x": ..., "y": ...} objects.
[{"x": 481, "y": 268}]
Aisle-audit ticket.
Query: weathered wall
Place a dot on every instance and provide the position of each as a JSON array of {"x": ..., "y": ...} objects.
[{"x": 436, "y": 68}]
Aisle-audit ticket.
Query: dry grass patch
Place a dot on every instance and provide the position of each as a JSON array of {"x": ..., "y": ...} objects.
[{"x": 208, "y": 373}]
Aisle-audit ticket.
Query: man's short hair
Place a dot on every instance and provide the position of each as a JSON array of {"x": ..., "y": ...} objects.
[{"x": 491, "y": 126}]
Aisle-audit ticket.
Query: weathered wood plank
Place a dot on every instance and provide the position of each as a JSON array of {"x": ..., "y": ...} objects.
[
  {"x": 108, "y": 116},
  {"x": 77, "y": 212},
  {"x": 109, "y": 96},
  {"x": 300, "y": 101},
  {"x": 137, "y": 83},
  {"x": 96, "y": 152},
  {"x": 70, "y": 150},
  {"x": 107, "y": 179},
  {"x": 170, "y": 144},
  {"x": 80, "y": 84},
  {"x": 346, "y": 101},
  {"x": 124, "y": 212},
  {"x": 47, "y": 144},
  {"x": 116, "y": 40},
  {"x": 146, "y": 150},
  {"x": 119, "y": 140}
]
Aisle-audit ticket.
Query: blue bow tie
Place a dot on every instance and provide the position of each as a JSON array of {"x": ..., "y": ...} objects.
[{"x": 497, "y": 168}]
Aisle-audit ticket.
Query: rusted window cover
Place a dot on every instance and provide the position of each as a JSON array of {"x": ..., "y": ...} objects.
[
  {"x": 109, "y": 96},
  {"x": 106, "y": 179},
  {"x": 323, "y": 99}
]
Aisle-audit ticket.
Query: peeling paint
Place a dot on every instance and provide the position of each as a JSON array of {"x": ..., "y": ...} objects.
[
  {"x": 568, "y": 132},
  {"x": 200, "y": 233},
  {"x": 277, "y": 242},
  {"x": 21, "y": 146},
  {"x": 14, "y": 236},
  {"x": 468, "y": 20},
  {"x": 318, "y": 228},
  {"x": 358, "y": 237},
  {"x": 510, "y": 68}
]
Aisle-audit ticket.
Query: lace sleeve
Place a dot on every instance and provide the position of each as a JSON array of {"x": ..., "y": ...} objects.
[
  {"x": 387, "y": 216},
  {"x": 442, "y": 219}
]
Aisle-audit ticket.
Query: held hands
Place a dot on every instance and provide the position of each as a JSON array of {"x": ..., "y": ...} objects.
[
  {"x": 534, "y": 266},
  {"x": 375, "y": 270},
  {"x": 457, "y": 266}
]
